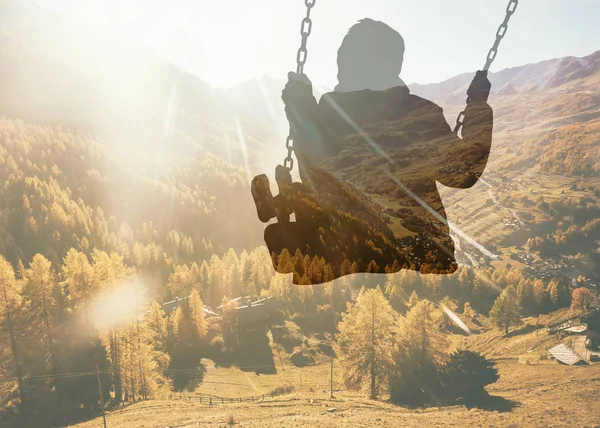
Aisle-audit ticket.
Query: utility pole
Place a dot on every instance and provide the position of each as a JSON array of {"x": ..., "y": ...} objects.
[
  {"x": 331, "y": 355},
  {"x": 101, "y": 396},
  {"x": 331, "y": 378}
]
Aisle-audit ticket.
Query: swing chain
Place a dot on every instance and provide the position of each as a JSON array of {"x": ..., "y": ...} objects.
[
  {"x": 305, "y": 30},
  {"x": 510, "y": 10}
]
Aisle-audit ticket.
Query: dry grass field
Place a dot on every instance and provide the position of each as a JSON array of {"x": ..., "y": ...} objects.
[
  {"x": 526, "y": 395},
  {"x": 532, "y": 391}
]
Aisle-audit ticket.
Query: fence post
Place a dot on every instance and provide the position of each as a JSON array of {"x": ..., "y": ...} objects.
[{"x": 263, "y": 397}]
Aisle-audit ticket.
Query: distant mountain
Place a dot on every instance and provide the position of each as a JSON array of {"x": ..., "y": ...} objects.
[
  {"x": 58, "y": 71},
  {"x": 261, "y": 97},
  {"x": 530, "y": 77}
]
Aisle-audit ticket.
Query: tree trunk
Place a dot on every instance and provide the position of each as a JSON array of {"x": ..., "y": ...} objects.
[
  {"x": 117, "y": 370},
  {"x": 139, "y": 354},
  {"x": 132, "y": 371},
  {"x": 13, "y": 345},
  {"x": 53, "y": 361},
  {"x": 373, "y": 368}
]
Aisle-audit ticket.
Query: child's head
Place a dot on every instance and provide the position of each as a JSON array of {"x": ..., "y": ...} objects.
[{"x": 370, "y": 57}]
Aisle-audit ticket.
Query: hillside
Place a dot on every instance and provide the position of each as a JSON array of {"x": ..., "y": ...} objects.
[
  {"x": 543, "y": 395},
  {"x": 65, "y": 190},
  {"x": 531, "y": 391},
  {"x": 125, "y": 186},
  {"x": 530, "y": 78}
]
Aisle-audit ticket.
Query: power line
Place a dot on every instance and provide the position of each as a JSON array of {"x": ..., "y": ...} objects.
[{"x": 57, "y": 376}]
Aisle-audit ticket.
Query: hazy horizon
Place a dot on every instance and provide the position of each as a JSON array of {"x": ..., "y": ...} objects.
[{"x": 195, "y": 36}]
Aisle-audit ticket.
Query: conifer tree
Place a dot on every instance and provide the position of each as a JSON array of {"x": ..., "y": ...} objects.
[
  {"x": 505, "y": 311},
  {"x": 421, "y": 349},
  {"x": 39, "y": 310},
  {"x": 10, "y": 300},
  {"x": 413, "y": 299},
  {"x": 365, "y": 341},
  {"x": 157, "y": 326},
  {"x": 468, "y": 312},
  {"x": 393, "y": 290},
  {"x": 197, "y": 313},
  {"x": 526, "y": 297}
]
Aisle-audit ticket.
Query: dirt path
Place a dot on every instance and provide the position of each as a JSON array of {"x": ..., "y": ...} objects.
[{"x": 252, "y": 384}]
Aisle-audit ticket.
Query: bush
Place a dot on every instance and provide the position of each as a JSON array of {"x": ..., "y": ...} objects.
[
  {"x": 219, "y": 352},
  {"x": 213, "y": 329},
  {"x": 465, "y": 376},
  {"x": 282, "y": 390},
  {"x": 289, "y": 340},
  {"x": 231, "y": 421},
  {"x": 326, "y": 349},
  {"x": 462, "y": 379},
  {"x": 320, "y": 321},
  {"x": 301, "y": 358}
]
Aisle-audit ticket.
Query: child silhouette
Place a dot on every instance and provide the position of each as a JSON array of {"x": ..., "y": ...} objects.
[{"x": 369, "y": 155}]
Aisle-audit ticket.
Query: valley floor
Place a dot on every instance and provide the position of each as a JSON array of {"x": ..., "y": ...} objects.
[{"x": 542, "y": 395}]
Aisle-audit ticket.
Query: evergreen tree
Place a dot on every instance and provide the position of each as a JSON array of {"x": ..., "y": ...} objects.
[
  {"x": 553, "y": 293},
  {"x": 540, "y": 294},
  {"x": 39, "y": 310},
  {"x": 393, "y": 290},
  {"x": 365, "y": 341},
  {"x": 505, "y": 311},
  {"x": 526, "y": 297},
  {"x": 468, "y": 312},
  {"x": 421, "y": 349},
  {"x": 413, "y": 299},
  {"x": 197, "y": 313},
  {"x": 10, "y": 355},
  {"x": 157, "y": 326}
]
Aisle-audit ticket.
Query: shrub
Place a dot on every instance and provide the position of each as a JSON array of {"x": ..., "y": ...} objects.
[
  {"x": 282, "y": 390},
  {"x": 465, "y": 376},
  {"x": 289, "y": 340},
  {"x": 231, "y": 420}
]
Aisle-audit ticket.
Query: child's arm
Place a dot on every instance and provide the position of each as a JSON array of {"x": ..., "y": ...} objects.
[
  {"x": 308, "y": 131},
  {"x": 467, "y": 156}
]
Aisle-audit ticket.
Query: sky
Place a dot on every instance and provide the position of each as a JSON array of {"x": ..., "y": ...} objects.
[{"x": 226, "y": 42}]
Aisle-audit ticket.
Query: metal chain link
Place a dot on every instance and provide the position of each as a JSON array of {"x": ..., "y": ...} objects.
[
  {"x": 510, "y": 10},
  {"x": 305, "y": 30}
]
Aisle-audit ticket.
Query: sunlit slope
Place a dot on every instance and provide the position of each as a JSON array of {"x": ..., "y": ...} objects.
[
  {"x": 63, "y": 189},
  {"x": 524, "y": 396}
]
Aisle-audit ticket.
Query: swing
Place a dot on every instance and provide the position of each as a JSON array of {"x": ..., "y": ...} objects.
[{"x": 301, "y": 234}]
